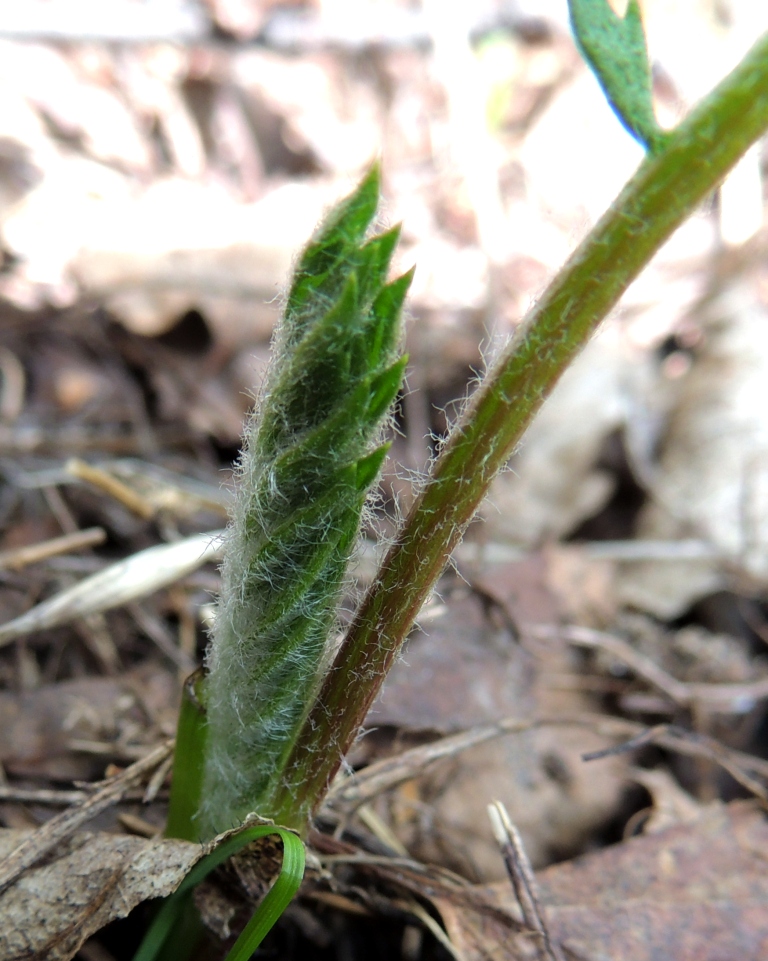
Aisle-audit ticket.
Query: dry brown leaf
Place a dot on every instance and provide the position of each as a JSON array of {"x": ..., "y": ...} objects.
[
  {"x": 93, "y": 879},
  {"x": 459, "y": 672},
  {"x": 582, "y": 584},
  {"x": 38, "y": 727},
  {"x": 466, "y": 670},
  {"x": 712, "y": 475},
  {"x": 181, "y": 245},
  {"x": 695, "y": 892},
  {"x": 554, "y": 483}
]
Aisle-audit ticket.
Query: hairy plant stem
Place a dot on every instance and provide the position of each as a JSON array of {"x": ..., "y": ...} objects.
[
  {"x": 312, "y": 452},
  {"x": 664, "y": 191}
]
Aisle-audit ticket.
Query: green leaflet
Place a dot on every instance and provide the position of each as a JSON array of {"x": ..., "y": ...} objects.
[
  {"x": 326, "y": 261},
  {"x": 615, "y": 49},
  {"x": 312, "y": 452}
]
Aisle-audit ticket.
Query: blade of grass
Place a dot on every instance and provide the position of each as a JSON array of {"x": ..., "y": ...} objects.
[
  {"x": 272, "y": 906},
  {"x": 276, "y": 901},
  {"x": 188, "y": 761}
]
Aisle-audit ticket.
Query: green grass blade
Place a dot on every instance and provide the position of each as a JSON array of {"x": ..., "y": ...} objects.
[
  {"x": 332, "y": 251},
  {"x": 165, "y": 921},
  {"x": 188, "y": 758},
  {"x": 272, "y": 906},
  {"x": 276, "y": 900}
]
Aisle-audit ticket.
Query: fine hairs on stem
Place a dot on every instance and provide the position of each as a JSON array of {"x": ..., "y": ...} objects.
[
  {"x": 312, "y": 452},
  {"x": 264, "y": 731},
  {"x": 681, "y": 168}
]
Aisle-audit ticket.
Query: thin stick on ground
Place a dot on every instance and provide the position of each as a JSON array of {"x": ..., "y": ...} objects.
[
  {"x": 524, "y": 883},
  {"x": 351, "y": 792}
]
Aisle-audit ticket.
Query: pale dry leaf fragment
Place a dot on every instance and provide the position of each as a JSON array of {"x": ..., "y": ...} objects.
[
  {"x": 37, "y": 844},
  {"x": 48, "y": 225},
  {"x": 81, "y": 107},
  {"x": 88, "y": 879},
  {"x": 711, "y": 480},
  {"x": 94, "y": 879},
  {"x": 326, "y": 111},
  {"x": 136, "y": 576},
  {"x": 554, "y": 482},
  {"x": 180, "y": 245}
]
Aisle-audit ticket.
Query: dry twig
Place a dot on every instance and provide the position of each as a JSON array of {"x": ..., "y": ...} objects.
[
  {"x": 723, "y": 698},
  {"x": 523, "y": 881},
  {"x": 60, "y": 827},
  {"x": 20, "y": 557},
  {"x": 389, "y": 772}
]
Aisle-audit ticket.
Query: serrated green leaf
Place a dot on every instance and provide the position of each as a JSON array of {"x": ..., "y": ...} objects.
[
  {"x": 373, "y": 264},
  {"x": 350, "y": 219},
  {"x": 312, "y": 454},
  {"x": 384, "y": 328},
  {"x": 320, "y": 363},
  {"x": 299, "y": 472},
  {"x": 384, "y": 388},
  {"x": 368, "y": 467},
  {"x": 304, "y": 472},
  {"x": 615, "y": 49},
  {"x": 317, "y": 376},
  {"x": 288, "y": 564},
  {"x": 317, "y": 273},
  {"x": 372, "y": 270}
]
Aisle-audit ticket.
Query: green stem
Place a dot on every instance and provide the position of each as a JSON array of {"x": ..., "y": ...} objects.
[
  {"x": 188, "y": 761},
  {"x": 664, "y": 191}
]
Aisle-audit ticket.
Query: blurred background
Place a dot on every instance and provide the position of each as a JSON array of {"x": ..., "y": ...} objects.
[{"x": 162, "y": 162}]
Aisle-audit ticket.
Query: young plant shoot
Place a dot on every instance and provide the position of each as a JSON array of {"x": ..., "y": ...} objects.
[
  {"x": 312, "y": 452},
  {"x": 276, "y": 724}
]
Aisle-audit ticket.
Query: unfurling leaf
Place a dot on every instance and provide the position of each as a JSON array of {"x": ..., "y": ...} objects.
[{"x": 313, "y": 450}]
